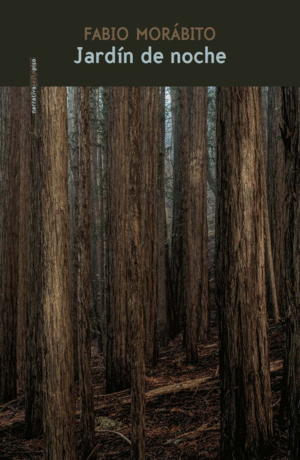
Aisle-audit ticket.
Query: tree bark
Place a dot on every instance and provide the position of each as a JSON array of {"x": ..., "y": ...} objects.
[
  {"x": 97, "y": 223},
  {"x": 163, "y": 284},
  {"x": 73, "y": 186},
  {"x": 149, "y": 117},
  {"x": 23, "y": 237},
  {"x": 276, "y": 189},
  {"x": 177, "y": 222},
  {"x": 34, "y": 353},
  {"x": 290, "y": 136},
  {"x": 10, "y": 190},
  {"x": 246, "y": 411},
  {"x": 83, "y": 300},
  {"x": 118, "y": 315},
  {"x": 138, "y": 258},
  {"x": 198, "y": 207},
  {"x": 58, "y": 373}
]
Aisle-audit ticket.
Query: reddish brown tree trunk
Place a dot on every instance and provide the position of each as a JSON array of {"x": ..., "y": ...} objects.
[
  {"x": 118, "y": 315},
  {"x": 83, "y": 299},
  {"x": 137, "y": 258},
  {"x": 23, "y": 236},
  {"x": 10, "y": 198},
  {"x": 276, "y": 189},
  {"x": 246, "y": 411},
  {"x": 58, "y": 374},
  {"x": 291, "y": 139},
  {"x": 149, "y": 116}
]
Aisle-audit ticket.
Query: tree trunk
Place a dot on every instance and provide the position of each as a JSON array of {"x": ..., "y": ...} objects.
[
  {"x": 97, "y": 259},
  {"x": 149, "y": 115},
  {"x": 83, "y": 300},
  {"x": 73, "y": 186},
  {"x": 246, "y": 411},
  {"x": 118, "y": 320},
  {"x": 58, "y": 374},
  {"x": 290, "y": 136},
  {"x": 138, "y": 257},
  {"x": 10, "y": 190},
  {"x": 34, "y": 354},
  {"x": 162, "y": 267},
  {"x": 198, "y": 207},
  {"x": 276, "y": 189},
  {"x": 177, "y": 221},
  {"x": 23, "y": 237}
]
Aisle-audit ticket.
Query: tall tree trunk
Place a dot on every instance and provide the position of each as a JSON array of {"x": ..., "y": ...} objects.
[
  {"x": 84, "y": 277},
  {"x": 162, "y": 267},
  {"x": 23, "y": 236},
  {"x": 246, "y": 411},
  {"x": 34, "y": 353},
  {"x": 58, "y": 374},
  {"x": 177, "y": 221},
  {"x": 10, "y": 172},
  {"x": 198, "y": 207},
  {"x": 138, "y": 256},
  {"x": 276, "y": 189},
  {"x": 149, "y": 115},
  {"x": 190, "y": 236},
  {"x": 97, "y": 241},
  {"x": 290, "y": 136},
  {"x": 73, "y": 185},
  {"x": 118, "y": 319}
]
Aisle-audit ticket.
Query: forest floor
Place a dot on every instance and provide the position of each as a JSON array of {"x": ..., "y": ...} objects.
[{"x": 179, "y": 424}]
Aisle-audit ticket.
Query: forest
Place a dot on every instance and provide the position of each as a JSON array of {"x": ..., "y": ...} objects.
[{"x": 150, "y": 273}]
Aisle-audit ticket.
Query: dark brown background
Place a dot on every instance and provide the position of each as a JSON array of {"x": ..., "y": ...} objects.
[{"x": 260, "y": 39}]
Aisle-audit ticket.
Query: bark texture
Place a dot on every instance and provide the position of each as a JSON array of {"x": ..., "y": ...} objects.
[
  {"x": 138, "y": 256},
  {"x": 58, "y": 375},
  {"x": 246, "y": 411},
  {"x": 34, "y": 349},
  {"x": 23, "y": 235},
  {"x": 197, "y": 216},
  {"x": 73, "y": 186},
  {"x": 149, "y": 117},
  {"x": 276, "y": 189},
  {"x": 290, "y": 136},
  {"x": 118, "y": 315},
  {"x": 9, "y": 256},
  {"x": 163, "y": 283},
  {"x": 83, "y": 299}
]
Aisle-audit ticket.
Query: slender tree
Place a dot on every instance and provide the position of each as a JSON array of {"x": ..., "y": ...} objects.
[
  {"x": 118, "y": 315},
  {"x": 290, "y": 136},
  {"x": 177, "y": 220},
  {"x": 97, "y": 222},
  {"x": 163, "y": 283},
  {"x": 190, "y": 280},
  {"x": 149, "y": 117},
  {"x": 34, "y": 351},
  {"x": 246, "y": 411},
  {"x": 25, "y": 128},
  {"x": 83, "y": 299},
  {"x": 9, "y": 251},
  {"x": 276, "y": 189},
  {"x": 73, "y": 187},
  {"x": 58, "y": 375},
  {"x": 137, "y": 258},
  {"x": 196, "y": 221}
]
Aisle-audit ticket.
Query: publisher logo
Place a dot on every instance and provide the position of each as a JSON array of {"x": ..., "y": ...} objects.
[{"x": 33, "y": 83}]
